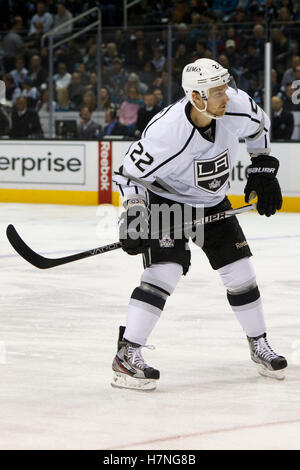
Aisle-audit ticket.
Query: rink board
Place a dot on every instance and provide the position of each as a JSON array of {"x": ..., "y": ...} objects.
[{"x": 80, "y": 173}]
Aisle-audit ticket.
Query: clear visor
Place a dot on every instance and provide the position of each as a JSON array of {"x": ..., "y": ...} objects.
[{"x": 231, "y": 83}]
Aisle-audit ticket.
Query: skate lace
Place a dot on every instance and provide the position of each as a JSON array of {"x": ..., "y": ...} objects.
[
  {"x": 136, "y": 357},
  {"x": 263, "y": 349}
]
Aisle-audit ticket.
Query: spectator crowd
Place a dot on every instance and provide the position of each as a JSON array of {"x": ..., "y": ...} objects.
[{"x": 134, "y": 61}]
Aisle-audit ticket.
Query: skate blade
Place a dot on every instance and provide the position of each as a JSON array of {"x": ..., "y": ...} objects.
[
  {"x": 273, "y": 374},
  {"x": 120, "y": 380}
]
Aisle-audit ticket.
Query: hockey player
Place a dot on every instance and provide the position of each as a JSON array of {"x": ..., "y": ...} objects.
[{"x": 184, "y": 156}]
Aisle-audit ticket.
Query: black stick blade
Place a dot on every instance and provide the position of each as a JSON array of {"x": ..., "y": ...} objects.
[
  {"x": 45, "y": 263},
  {"x": 27, "y": 253}
]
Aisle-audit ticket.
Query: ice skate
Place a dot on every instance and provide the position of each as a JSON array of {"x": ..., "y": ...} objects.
[
  {"x": 268, "y": 363},
  {"x": 130, "y": 369}
]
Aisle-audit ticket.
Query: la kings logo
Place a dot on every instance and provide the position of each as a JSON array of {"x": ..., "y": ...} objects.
[{"x": 212, "y": 175}]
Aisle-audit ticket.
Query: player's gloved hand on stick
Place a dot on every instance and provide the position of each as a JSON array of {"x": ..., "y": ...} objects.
[
  {"x": 134, "y": 227},
  {"x": 262, "y": 180}
]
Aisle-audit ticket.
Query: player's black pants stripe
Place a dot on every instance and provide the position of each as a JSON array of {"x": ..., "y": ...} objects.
[{"x": 236, "y": 300}]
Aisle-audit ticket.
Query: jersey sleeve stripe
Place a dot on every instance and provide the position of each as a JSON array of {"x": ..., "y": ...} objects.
[
  {"x": 121, "y": 190},
  {"x": 245, "y": 115},
  {"x": 173, "y": 156}
]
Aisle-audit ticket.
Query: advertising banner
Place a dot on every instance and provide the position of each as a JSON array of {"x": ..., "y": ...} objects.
[
  {"x": 105, "y": 172},
  {"x": 43, "y": 164}
]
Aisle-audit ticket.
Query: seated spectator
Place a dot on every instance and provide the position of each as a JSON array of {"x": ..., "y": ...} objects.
[
  {"x": 134, "y": 81},
  {"x": 88, "y": 129},
  {"x": 297, "y": 77},
  {"x": 136, "y": 41},
  {"x": 292, "y": 7},
  {"x": 62, "y": 54},
  {"x": 258, "y": 95},
  {"x": 201, "y": 50},
  {"x": 289, "y": 75},
  {"x": 36, "y": 72},
  {"x": 41, "y": 16},
  {"x": 13, "y": 45},
  {"x": 158, "y": 98},
  {"x": 240, "y": 20},
  {"x": 252, "y": 63},
  {"x": 158, "y": 60},
  {"x": 89, "y": 100},
  {"x": 105, "y": 98},
  {"x": 75, "y": 52},
  {"x": 93, "y": 83},
  {"x": 63, "y": 100},
  {"x": 138, "y": 52},
  {"x": 230, "y": 52},
  {"x": 90, "y": 59},
  {"x": 182, "y": 37},
  {"x": 179, "y": 60},
  {"x": 230, "y": 34},
  {"x": 181, "y": 10},
  {"x": 20, "y": 72},
  {"x": 259, "y": 37},
  {"x": 129, "y": 108},
  {"x": 43, "y": 103},
  {"x": 61, "y": 17},
  {"x": 30, "y": 92},
  {"x": 282, "y": 121},
  {"x": 195, "y": 28},
  {"x": 284, "y": 15},
  {"x": 4, "y": 122},
  {"x": 76, "y": 90},
  {"x": 34, "y": 41},
  {"x": 12, "y": 92},
  {"x": 213, "y": 39},
  {"x": 84, "y": 76},
  {"x": 280, "y": 49},
  {"x": 120, "y": 41},
  {"x": 114, "y": 127},
  {"x": 110, "y": 54},
  {"x": 148, "y": 74},
  {"x": 25, "y": 121},
  {"x": 162, "y": 83},
  {"x": 117, "y": 78},
  {"x": 275, "y": 84},
  {"x": 62, "y": 79},
  {"x": 142, "y": 55},
  {"x": 146, "y": 113}
]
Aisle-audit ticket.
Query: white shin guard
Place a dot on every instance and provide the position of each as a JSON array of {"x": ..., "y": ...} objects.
[
  {"x": 243, "y": 296},
  {"x": 147, "y": 301}
]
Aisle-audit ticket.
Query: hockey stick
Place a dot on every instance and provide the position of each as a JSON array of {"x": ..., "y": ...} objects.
[{"x": 45, "y": 263}]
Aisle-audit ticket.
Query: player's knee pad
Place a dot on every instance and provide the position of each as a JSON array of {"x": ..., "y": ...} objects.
[
  {"x": 164, "y": 276},
  {"x": 238, "y": 275},
  {"x": 157, "y": 283},
  {"x": 240, "y": 281}
]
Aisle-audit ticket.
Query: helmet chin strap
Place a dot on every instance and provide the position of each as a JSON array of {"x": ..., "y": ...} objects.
[{"x": 204, "y": 110}]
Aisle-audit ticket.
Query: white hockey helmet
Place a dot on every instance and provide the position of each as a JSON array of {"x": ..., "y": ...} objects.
[{"x": 200, "y": 76}]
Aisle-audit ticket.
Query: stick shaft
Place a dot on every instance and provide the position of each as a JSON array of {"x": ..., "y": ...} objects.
[{"x": 42, "y": 262}]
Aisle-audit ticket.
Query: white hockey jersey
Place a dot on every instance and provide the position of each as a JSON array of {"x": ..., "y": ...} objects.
[{"x": 177, "y": 160}]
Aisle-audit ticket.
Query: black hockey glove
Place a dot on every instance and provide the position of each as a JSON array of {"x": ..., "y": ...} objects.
[
  {"x": 134, "y": 227},
  {"x": 262, "y": 180}
]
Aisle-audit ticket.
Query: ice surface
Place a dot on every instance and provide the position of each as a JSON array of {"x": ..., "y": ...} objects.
[{"x": 59, "y": 331}]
